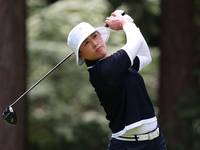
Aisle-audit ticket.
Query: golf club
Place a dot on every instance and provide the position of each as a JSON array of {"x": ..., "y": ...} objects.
[{"x": 9, "y": 115}]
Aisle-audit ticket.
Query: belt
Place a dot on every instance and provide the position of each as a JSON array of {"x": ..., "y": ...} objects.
[{"x": 141, "y": 137}]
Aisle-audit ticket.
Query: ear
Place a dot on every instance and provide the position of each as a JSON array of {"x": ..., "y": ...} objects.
[{"x": 81, "y": 55}]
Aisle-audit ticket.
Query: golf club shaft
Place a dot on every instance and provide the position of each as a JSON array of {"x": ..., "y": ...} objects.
[{"x": 42, "y": 78}]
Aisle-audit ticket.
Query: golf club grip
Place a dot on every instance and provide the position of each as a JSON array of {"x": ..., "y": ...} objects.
[
  {"x": 42, "y": 78},
  {"x": 123, "y": 13}
]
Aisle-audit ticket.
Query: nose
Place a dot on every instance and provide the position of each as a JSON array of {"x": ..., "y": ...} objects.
[{"x": 94, "y": 43}]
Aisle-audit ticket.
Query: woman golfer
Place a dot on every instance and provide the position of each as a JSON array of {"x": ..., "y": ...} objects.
[{"x": 119, "y": 86}]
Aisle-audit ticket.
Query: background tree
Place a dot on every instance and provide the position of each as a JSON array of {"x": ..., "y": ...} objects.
[
  {"x": 178, "y": 75},
  {"x": 13, "y": 71}
]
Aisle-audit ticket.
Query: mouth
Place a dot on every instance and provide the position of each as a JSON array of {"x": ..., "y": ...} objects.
[{"x": 99, "y": 48}]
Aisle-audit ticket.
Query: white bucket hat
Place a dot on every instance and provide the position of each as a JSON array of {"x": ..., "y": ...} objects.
[{"x": 79, "y": 33}]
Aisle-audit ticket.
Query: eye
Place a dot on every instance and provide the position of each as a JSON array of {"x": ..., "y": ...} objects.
[
  {"x": 95, "y": 35},
  {"x": 86, "y": 42}
]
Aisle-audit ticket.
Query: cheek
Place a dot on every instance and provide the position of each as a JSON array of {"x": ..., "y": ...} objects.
[
  {"x": 102, "y": 41},
  {"x": 83, "y": 49},
  {"x": 86, "y": 51},
  {"x": 104, "y": 45}
]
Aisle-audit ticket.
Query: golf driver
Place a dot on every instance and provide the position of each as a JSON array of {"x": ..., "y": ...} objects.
[{"x": 9, "y": 115}]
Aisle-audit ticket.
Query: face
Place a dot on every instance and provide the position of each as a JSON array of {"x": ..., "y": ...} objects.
[{"x": 93, "y": 48}]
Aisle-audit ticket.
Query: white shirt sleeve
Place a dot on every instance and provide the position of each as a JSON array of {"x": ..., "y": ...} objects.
[
  {"x": 133, "y": 40},
  {"x": 136, "y": 45},
  {"x": 144, "y": 53}
]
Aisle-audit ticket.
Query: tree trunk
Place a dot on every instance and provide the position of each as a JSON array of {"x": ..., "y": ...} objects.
[
  {"x": 12, "y": 71},
  {"x": 176, "y": 63}
]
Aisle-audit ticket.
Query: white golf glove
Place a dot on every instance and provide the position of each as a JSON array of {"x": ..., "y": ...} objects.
[{"x": 119, "y": 12}]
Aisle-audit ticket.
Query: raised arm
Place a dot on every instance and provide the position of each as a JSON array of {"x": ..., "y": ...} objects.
[
  {"x": 133, "y": 36},
  {"x": 134, "y": 46}
]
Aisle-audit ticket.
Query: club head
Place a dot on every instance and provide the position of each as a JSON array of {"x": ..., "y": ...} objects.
[{"x": 9, "y": 116}]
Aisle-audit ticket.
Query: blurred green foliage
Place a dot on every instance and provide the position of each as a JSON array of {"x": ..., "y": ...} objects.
[
  {"x": 146, "y": 14},
  {"x": 64, "y": 111}
]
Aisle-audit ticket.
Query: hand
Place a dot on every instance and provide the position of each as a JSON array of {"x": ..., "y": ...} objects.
[
  {"x": 119, "y": 12},
  {"x": 116, "y": 21}
]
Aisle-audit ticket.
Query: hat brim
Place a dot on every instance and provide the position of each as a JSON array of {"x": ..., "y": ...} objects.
[{"x": 105, "y": 34}]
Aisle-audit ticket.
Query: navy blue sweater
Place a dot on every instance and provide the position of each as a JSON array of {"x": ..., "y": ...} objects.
[{"x": 121, "y": 90}]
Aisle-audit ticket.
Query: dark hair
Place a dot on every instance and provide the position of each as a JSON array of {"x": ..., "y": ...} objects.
[{"x": 98, "y": 32}]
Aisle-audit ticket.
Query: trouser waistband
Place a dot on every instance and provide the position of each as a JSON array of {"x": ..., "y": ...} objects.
[{"x": 141, "y": 137}]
